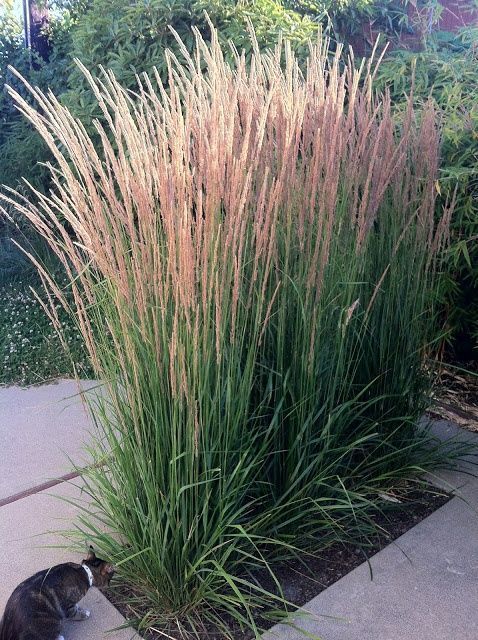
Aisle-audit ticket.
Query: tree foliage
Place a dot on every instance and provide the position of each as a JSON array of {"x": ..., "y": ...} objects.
[{"x": 131, "y": 36}]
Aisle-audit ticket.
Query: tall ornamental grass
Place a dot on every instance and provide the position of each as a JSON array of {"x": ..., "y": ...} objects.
[{"x": 251, "y": 251}]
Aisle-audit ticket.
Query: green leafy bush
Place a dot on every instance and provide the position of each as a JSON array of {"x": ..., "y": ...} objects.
[
  {"x": 21, "y": 148},
  {"x": 257, "y": 256},
  {"x": 450, "y": 76},
  {"x": 130, "y": 37},
  {"x": 348, "y": 17}
]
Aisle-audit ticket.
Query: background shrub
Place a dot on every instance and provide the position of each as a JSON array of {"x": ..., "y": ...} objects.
[
  {"x": 350, "y": 17},
  {"x": 131, "y": 38},
  {"x": 21, "y": 148},
  {"x": 449, "y": 73}
]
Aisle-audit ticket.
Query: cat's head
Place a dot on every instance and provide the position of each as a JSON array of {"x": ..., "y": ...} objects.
[{"x": 102, "y": 571}]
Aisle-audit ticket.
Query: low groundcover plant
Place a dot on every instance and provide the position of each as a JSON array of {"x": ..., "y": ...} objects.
[
  {"x": 31, "y": 350},
  {"x": 251, "y": 251}
]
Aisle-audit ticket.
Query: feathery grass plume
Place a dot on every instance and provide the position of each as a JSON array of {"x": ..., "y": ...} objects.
[{"x": 251, "y": 253}]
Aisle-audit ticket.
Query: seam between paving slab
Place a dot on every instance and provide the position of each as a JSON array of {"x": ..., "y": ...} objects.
[{"x": 38, "y": 488}]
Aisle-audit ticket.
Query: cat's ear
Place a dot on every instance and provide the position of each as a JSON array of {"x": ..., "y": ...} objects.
[{"x": 91, "y": 555}]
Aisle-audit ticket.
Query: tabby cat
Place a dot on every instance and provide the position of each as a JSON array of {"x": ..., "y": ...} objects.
[{"x": 39, "y": 605}]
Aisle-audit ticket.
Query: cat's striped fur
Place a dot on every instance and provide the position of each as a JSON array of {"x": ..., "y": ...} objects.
[{"x": 39, "y": 605}]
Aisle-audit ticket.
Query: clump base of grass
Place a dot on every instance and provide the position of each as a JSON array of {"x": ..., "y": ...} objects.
[{"x": 305, "y": 576}]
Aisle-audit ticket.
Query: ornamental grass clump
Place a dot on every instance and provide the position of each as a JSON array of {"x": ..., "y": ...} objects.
[{"x": 251, "y": 251}]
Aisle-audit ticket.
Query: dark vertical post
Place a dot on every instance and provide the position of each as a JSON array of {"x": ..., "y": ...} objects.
[{"x": 26, "y": 22}]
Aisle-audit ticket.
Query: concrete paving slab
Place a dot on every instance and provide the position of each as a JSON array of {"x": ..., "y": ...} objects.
[
  {"x": 464, "y": 481},
  {"x": 423, "y": 587},
  {"x": 40, "y": 429},
  {"x": 25, "y": 548},
  {"x": 445, "y": 430}
]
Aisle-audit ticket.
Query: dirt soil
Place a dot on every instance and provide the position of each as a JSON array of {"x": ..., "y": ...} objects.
[{"x": 306, "y": 577}]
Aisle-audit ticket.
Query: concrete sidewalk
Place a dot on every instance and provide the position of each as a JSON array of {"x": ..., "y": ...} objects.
[
  {"x": 26, "y": 548},
  {"x": 424, "y": 586},
  {"x": 40, "y": 428}
]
